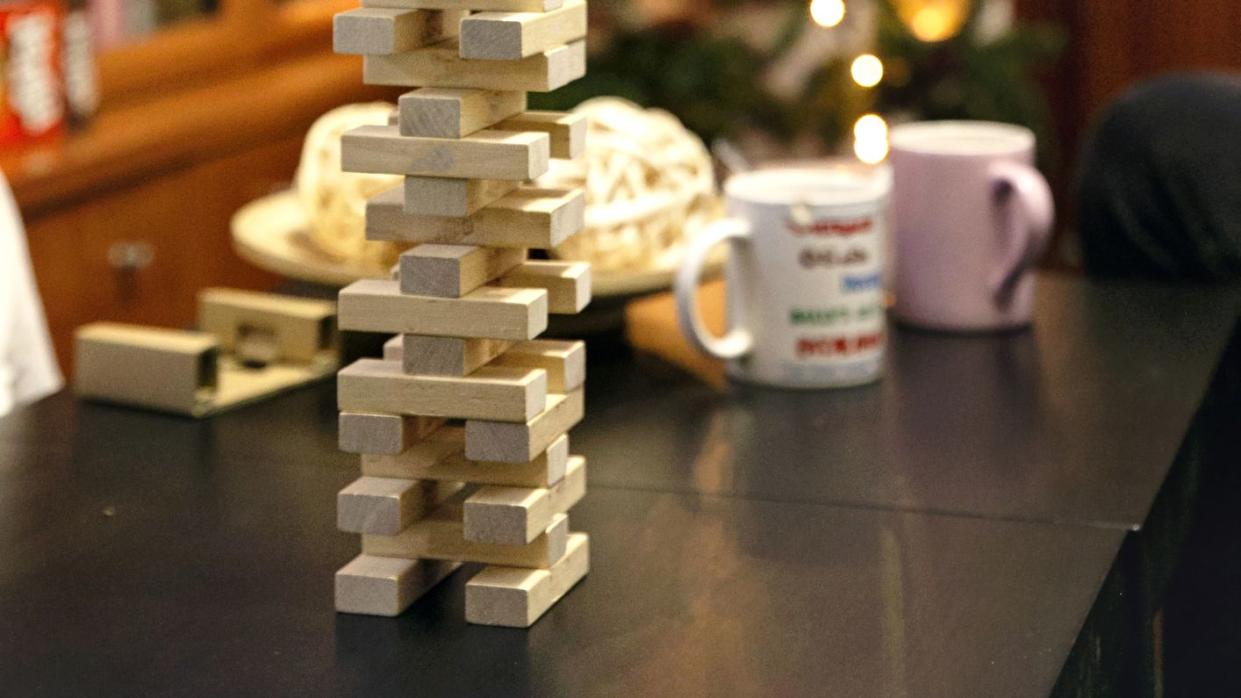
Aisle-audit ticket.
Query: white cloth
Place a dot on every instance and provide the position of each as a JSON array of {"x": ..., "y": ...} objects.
[{"x": 28, "y": 369}]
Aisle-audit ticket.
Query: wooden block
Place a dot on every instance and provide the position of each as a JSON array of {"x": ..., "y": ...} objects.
[
  {"x": 450, "y": 356},
  {"x": 508, "y": 36},
  {"x": 516, "y": 597},
  {"x": 383, "y": 506},
  {"x": 517, "y": 443},
  {"x": 377, "y": 305},
  {"x": 394, "y": 348},
  {"x": 451, "y": 271},
  {"x": 517, "y": 515},
  {"x": 483, "y": 155},
  {"x": 442, "y": 196},
  {"x": 304, "y": 328},
  {"x": 447, "y": 112},
  {"x": 441, "y": 66},
  {"x": 564, "y": 361},
  {"x": 476, "y": 5},
  {"x": 528, "y": 217},
  {"x": 386, "y": 586},
  {"x": 362, "y": 432},
  {"x": 439, "y": 537},
  {"x": 567, "y": 283},
  {"x": 378, "y": 31},
  {"x": 162, "y": 369},
  {"x": 499, "y": 393},
  {"x": 567, "y": 131},
  {"x": 441, "y": 457}
]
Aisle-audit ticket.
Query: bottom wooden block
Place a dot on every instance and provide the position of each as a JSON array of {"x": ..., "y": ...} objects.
[
  {"x": 386, "y": 586},
  {"x": 516, "y": 597}
]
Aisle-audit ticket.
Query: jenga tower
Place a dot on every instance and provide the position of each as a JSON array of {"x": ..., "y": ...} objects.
[{"x": 462, "y": 426}]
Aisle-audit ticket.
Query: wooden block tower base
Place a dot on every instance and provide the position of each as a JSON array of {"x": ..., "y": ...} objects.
[{"x": 466, "y": 306}]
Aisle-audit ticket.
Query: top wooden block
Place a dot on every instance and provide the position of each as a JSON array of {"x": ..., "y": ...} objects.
[
  {"x": 506, "y": 36},
  {"x": 370, "y": 31},
  {"x": 475, "y": 5},
  {"x": 442, "y": 66}
]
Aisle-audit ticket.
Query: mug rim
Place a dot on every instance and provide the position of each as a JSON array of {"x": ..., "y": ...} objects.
[
  {"x": 874, "y": 183},
  {"x": 910, "y": 137}
]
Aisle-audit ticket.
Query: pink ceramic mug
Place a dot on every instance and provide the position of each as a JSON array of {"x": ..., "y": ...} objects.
[{"x": 971, "y": 216}]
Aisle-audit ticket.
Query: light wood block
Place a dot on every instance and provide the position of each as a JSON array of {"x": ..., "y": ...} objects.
[
  {"x": 508, "y": 36},
  {"x": 439, "y": 537},
  {"x": 376, "y": 31},
  {"x": 517, "y": 515},
  {"x": 441, "y": 457},
  {"x": 304, "y": 329},
  {"x": 564, "y": 361},
  {"x": 162, "y": 369},
  {"x": 515, "y": 597},
  {"x": 498, "y": 393},
  {"x": 520, "y": 442},
  {"x": 394, "y": 348},
  {"x": 449, "y": 356},
  {"x": 451, "y": 271},
  {"x": 442, "y": 196},
  {"x": 483, "y": 155},
  {"x": 441, "y": 66},
  {"x": 566, "y": 130},
  {"x": 377, "y": 305},
  {"x": 476, "y": 5},
  {"x": 363, "y": 432},
  {"x": 447, "y": 112},
  {"x": 383, "y": 506},
  {"x": 386, "y": 586},
  {"x": 528, "y": 217},
  {"x": 567, "y": 283}
]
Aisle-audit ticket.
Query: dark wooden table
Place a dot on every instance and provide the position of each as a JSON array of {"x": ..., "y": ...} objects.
[{"x": 976, "y": 524}]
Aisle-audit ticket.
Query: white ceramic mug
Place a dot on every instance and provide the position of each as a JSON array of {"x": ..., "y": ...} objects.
[{"x": 804, "y": 279}]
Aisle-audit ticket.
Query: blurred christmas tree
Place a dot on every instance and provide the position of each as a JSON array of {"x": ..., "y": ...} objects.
[{"x": 803, "y": 75}]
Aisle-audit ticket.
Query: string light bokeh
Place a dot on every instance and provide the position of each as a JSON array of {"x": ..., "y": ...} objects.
[
  {"x": 827, "y": 13},
  {"x": 870, "y": 131}
]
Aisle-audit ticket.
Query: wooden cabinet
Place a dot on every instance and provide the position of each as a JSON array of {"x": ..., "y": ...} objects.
[
  {"x": 139, "y": 253},
  {"x": 128, "y": 219}
]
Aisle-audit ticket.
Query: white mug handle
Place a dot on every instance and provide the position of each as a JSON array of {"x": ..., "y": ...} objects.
[{"x": 738, "y": 341}]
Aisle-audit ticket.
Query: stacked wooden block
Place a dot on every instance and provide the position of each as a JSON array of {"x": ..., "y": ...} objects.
[{"x": 462, "y": 426}]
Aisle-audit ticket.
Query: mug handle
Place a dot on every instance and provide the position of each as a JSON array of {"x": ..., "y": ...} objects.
[
  {"x": 1028, "y": 226},
  {"x": 738, "y": 341}
]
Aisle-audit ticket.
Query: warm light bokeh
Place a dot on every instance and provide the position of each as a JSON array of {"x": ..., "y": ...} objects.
[
  {"x": 933, "y": 20},
  {"x": 867, "y": 70},
  {"x": 870, "y": 138},
  {"x": 827, "y": 13}
]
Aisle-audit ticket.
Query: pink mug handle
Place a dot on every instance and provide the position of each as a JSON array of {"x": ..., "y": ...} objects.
[{"x": 1028, "y": 221}]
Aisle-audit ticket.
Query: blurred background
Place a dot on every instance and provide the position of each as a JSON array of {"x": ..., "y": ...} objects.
[{"x": 132, "y": 131}]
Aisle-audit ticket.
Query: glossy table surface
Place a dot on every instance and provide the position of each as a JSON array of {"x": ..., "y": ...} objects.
[{"x": 943, "y": 532}]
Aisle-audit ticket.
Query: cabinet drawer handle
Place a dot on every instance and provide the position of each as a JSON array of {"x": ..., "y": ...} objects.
[{"x": 126, "y": 256}]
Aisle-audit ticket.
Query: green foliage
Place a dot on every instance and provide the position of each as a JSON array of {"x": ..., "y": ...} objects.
[
  {"x": 715, "y": 83},
  {"x": 963, "y": 78}
]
